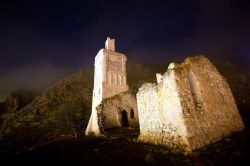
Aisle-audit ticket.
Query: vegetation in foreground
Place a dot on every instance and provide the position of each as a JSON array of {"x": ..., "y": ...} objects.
[
  {"x": 50, "y": 126},
  {"x": 124, "y": 150}
]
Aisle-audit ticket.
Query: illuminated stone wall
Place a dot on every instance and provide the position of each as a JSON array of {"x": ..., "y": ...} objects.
[
  {"x": 191, "y": 106},
  {"x": 109, "y": 79},
  {"x": 115, "y": 75},
  {"x": 109, "y": 112}
]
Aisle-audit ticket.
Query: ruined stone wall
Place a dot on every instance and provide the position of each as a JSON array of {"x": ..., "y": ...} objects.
[
  {"x": 208, "y": 105},
  {"x": 190, "y": 107},
  {"x": 110, "y": 111},
  {"x": 160, "y": 115}
]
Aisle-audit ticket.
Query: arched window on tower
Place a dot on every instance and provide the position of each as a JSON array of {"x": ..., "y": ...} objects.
[
  {"x": 110, "y": 78},
  {"x": 124, "y": 80},
  {"x": 115, "y": 81},
  {"x": 120, "y": 80}
]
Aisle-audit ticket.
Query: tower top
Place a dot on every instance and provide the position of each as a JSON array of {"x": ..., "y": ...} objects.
[{"x": 110, "y": 44}]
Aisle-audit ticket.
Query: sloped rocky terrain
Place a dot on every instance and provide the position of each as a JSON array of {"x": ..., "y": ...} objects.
[
  {"x": 58, "y": 110},
  {"x": 47, "y": 129},
  {"x": 63, "y": 109}
]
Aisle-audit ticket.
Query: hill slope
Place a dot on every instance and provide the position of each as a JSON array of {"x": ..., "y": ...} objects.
[{"x": 64, "y": 108}]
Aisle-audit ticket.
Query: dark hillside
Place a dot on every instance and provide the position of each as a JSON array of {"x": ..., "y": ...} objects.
[{"x": 64, "y": 108}]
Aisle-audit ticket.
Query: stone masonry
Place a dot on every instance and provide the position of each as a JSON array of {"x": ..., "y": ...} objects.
[
  {"x": 110, "y": 79},
  {"x": 118, "y": 111},
  {"x": 190, "y": 106}
]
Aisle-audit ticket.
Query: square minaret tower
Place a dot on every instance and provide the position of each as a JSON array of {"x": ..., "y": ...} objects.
[{"x": 110, "y": 78}]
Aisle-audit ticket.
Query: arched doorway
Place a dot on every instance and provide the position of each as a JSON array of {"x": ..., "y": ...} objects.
[{"x": 124, "y": 119}]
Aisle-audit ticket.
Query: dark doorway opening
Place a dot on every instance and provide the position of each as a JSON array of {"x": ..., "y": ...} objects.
[{"x": 124, "y": 119}]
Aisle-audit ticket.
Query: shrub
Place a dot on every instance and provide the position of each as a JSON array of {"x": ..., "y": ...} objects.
[{"x": 71, "y": 118}]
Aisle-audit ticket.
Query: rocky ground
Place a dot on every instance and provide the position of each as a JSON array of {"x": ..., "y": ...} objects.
[
  {"x": 125, "y": 150},
  {"x": 34, "y": 143}
]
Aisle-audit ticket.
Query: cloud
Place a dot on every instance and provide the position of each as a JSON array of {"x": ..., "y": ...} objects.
[{"x": 31, "y": 77}]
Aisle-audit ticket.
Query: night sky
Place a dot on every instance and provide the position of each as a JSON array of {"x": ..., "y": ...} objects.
[{"x": 43, "y": 40}]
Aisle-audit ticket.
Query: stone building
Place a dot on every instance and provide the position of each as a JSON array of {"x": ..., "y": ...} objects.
[
  {"x": 118, "y": 111},
  {"x": 116, "y": 106},
  {"x": 190, "y": 106}
]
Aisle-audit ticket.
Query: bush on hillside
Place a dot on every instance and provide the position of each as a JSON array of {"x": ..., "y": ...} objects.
[{"x": 69, "y": 119}]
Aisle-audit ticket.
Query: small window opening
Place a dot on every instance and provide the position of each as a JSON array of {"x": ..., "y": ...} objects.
[{"x": 132, "y": 114}]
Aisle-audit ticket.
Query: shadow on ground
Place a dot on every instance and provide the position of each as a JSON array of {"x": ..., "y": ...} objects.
[{"x": 121, "y": 148}]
